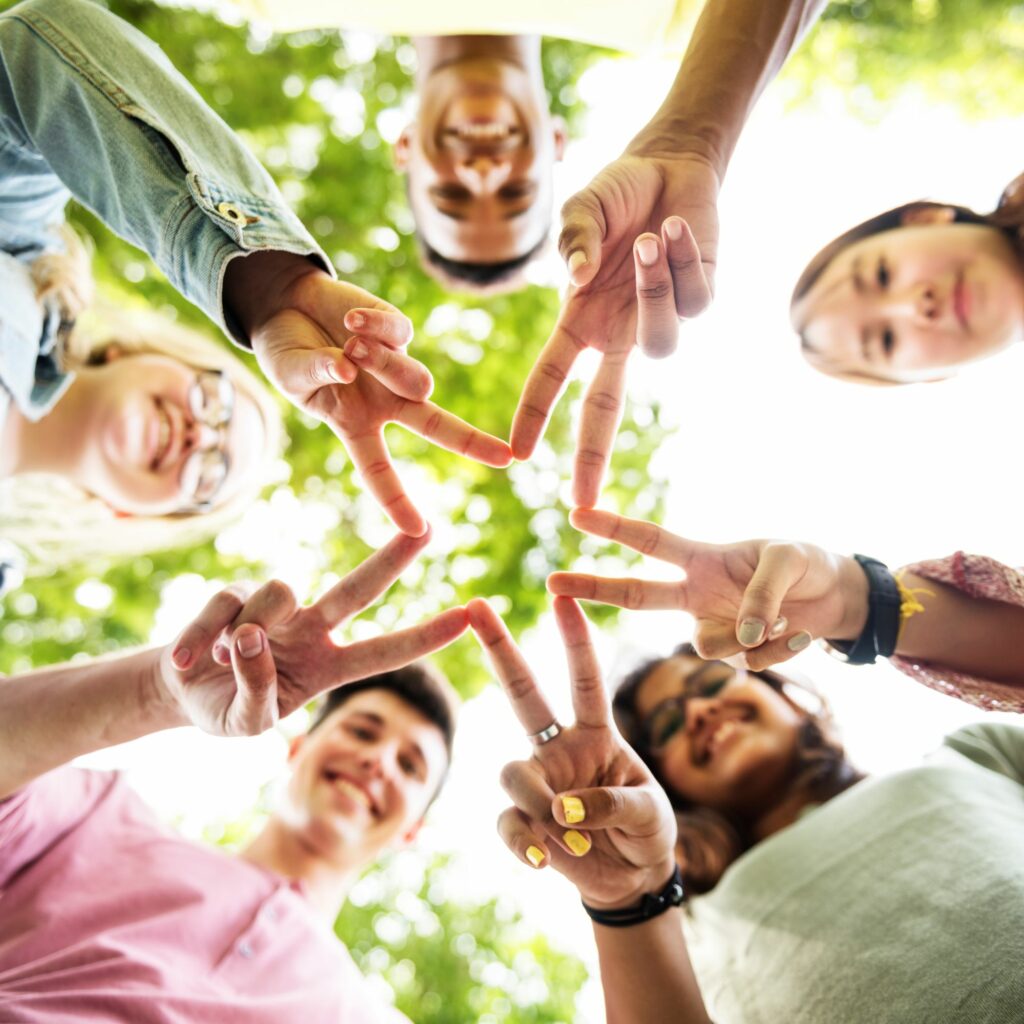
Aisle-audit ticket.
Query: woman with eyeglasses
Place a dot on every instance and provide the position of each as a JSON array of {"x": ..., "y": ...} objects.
[{"x": 790, "y": 887}]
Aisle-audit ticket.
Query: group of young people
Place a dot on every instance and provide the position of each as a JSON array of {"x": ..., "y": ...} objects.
[{"x": 717, "y": 793}]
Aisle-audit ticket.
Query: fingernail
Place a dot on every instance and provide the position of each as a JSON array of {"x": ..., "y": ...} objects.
[
  {"x": 355, "y": 320},
  {"x": 647, "y": 250},
  {"x": 334, "y": 373},
  {"x": 535, "y": 856},
  {"x": 577, "y": 260},
  {"x": 578, "y": 843},
  {"x": 799, "y": 641},
  {"x": 779, "y": 628},
  {"x": 573, "y": 809},
  {"x": 356, "y": 349},
  {"x": 250, "y": 644},
  {"x": 221, "y": 653},
  {"x": 751, "y": 632},
  {"x": 674, "y": 228},
  {"x": 182, "y": 657}
]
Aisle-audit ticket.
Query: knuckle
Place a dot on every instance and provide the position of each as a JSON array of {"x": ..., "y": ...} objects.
[
  {"x": 633, "y": 598},
  {"x": 656, "y": 292},
  {"x": 590, "y": 457},
  {"x": 552, "y": 372},
  {"x": 649, "y": 540},
  {"x": 602, "y": 401}
]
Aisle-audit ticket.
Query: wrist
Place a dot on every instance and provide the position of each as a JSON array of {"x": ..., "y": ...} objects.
[
  {"x": 671, "y": 137},
  {"x": 653, "y": 881},
  {"x": 157, "y": 694},
  {"x": 854, "y": 591},
  {"x": 258, "y": 286},
  {"x": 650, "y": 905}
]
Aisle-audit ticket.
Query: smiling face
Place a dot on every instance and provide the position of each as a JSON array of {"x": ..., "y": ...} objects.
[
  {"x": 165, "y": 437},
  {"x": 479, "y": 161},
  {"x": 721, "y": 739},
  {"x": 363, "y": 778},
  {"x": 914, "y": 303}
]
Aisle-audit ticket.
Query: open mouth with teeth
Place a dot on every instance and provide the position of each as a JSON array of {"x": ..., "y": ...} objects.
[
  {"x": 352, "y": 790},
  {"x": 164, "y": 436}
]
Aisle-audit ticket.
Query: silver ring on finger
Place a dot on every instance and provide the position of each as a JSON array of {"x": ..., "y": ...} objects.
[{"x": 538, "y": 739}]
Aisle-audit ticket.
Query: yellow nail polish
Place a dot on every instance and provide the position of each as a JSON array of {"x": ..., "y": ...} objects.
[
  {"x": 535, "y": 856},
  {"x": 578, "y": 843},
  {"x": 573, "y": 809}
]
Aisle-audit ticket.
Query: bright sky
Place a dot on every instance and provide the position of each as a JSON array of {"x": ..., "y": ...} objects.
[{"x": 765, "y": 447}]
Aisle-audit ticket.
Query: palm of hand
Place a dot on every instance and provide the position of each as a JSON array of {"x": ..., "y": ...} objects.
[
  {"x": 635, "y": 194},
  {"x": 619, "y": 862},
  {"x": 717, "y": 577},
  {"x": 209, "y": 694}
]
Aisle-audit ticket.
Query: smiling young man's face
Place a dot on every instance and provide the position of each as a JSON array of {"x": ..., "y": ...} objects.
[
  {"x": 363, "y": 778},
  {"x": 479, "y": 161},
  {"x": 722, "y": 739}
]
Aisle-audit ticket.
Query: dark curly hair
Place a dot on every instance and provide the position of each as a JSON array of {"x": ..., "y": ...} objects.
[{"x": 710, "y": 840}]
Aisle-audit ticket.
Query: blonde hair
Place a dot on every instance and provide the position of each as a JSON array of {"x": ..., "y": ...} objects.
[{"x": 56, "y": 522}]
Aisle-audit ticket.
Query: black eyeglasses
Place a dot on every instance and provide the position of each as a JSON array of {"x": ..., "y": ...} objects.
[{"x": 669, "y": 716}]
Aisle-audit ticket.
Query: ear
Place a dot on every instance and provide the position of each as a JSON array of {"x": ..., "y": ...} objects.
[
  {"x": 296, "y": 744},
  {"x": 402, "y": 149},
  {"x": 927, "y": 215},
  {"x": 561, "y": 136},
  {"x": 409, "y": 837}
]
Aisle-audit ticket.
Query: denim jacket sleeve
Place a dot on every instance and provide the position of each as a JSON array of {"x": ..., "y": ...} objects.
[{"x": 90, "y": 105}]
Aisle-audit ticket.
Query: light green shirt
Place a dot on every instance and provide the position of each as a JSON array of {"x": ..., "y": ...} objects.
[
  {"x": 900, "y": 901},
  {"x": 636, "y": 26}
]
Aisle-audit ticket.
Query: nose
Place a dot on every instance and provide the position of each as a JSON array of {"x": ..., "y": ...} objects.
[
  {"x": 921, "y": 302},
  {"x": 698, "y": 711},
  {"x": 201, "y": 436},
  {"x": 482, "y": 172}
]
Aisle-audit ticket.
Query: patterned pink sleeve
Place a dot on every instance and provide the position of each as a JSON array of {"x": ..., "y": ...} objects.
[{"x": 980, "y": 577}]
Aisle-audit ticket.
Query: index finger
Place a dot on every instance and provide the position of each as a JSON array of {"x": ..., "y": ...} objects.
[
  {"x": 544, "y": 384},
  {"x": 589, "y": 698},
  {"x": 370, "y": 456},
  {"x": 445, "y": 429},
  {"x": 367, "y": 581},
  {"x": 529, "y": 704},
  {"x": 602, "y": 413},
  {"x": 637, "y": 534}
]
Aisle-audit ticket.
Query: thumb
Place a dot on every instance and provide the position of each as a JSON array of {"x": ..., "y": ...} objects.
[
  {"x": 299, "y": 372},
  {"x": 583, "y": 229},
  {"x": 633, "y": 809},
  {"x": 778, "y": 569},
  {"x": 254, "y": 709}
]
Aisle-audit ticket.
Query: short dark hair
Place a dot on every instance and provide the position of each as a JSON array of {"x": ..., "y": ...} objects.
[
  {"x": 480, "y": 278},
  {"x": 419, "y": 684}
]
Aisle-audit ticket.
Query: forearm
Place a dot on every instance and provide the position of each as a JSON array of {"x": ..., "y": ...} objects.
[
  {"x": 116, "y": 124},
  {"x": 52, "y": 715},
  {"x": 973, "y": 635},
  {"x": 646, "y": 973},
  {"x": 737, "y": 48}
]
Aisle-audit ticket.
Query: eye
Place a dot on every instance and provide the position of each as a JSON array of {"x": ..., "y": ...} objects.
[
  {"x": 666, "y": 724},
  {"x": 883, "y": 275},
  {"x": 713, "y": 687},
  {"x": 409, "y": 766},
  {"x": 888, "y": 341},
  {"x": 516, "y": 191},
  {"x": 361, "y": 732},
  {"x": 452, "y": 193}
]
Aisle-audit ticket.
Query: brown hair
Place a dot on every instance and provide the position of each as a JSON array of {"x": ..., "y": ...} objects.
[
  {"x": 419, "y": 684},
  {"x": 710, "y": 840}
]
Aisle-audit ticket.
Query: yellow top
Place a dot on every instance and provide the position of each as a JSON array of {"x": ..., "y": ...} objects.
[{"x": 635, "y": 26}]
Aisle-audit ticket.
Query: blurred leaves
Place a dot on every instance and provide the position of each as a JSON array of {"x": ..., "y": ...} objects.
[
  {"x": 968, "y": 53},
  {"x": 316, "y": 107}
]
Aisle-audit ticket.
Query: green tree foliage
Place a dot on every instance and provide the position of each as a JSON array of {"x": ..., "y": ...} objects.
[
  {"x": 310, "y": 105},
  {"x": 969, "y": 53}
]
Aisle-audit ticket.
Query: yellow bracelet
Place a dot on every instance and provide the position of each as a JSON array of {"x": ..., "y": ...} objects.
[{"x": 909, "y": 603}]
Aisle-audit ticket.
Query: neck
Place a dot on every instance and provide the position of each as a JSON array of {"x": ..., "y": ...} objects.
[
  {"x": 280, "y": 849},
  {"x": 436, "y": 52},
  {"x": 53, "y": 444},
  {"x": 782, "y": 814}
]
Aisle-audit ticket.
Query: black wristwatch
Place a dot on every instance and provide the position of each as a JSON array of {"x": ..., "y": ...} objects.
[
  {"x": 882, "y": 628},
  {"x": 653, "y": 904}
]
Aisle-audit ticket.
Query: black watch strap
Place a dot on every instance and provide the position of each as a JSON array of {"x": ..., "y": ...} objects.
[
  {"x": 881, "y": 630},
  {"x": 653, "y": 904}
]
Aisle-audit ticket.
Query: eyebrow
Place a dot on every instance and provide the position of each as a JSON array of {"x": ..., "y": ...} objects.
[
  {"x": 695, "y": 676},
  {"x": 858, "y": 281},
  {"x": 380, "y": 722}
]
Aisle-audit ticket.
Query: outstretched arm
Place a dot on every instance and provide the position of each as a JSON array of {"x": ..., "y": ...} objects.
[
  {"x": 587, "y": 805},
  {"x": 769, "y": 599},
  {"x": 248, "y": 659}
]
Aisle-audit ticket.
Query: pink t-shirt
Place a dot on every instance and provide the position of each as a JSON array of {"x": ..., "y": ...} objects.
[{"x": 106, "y": 915}]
